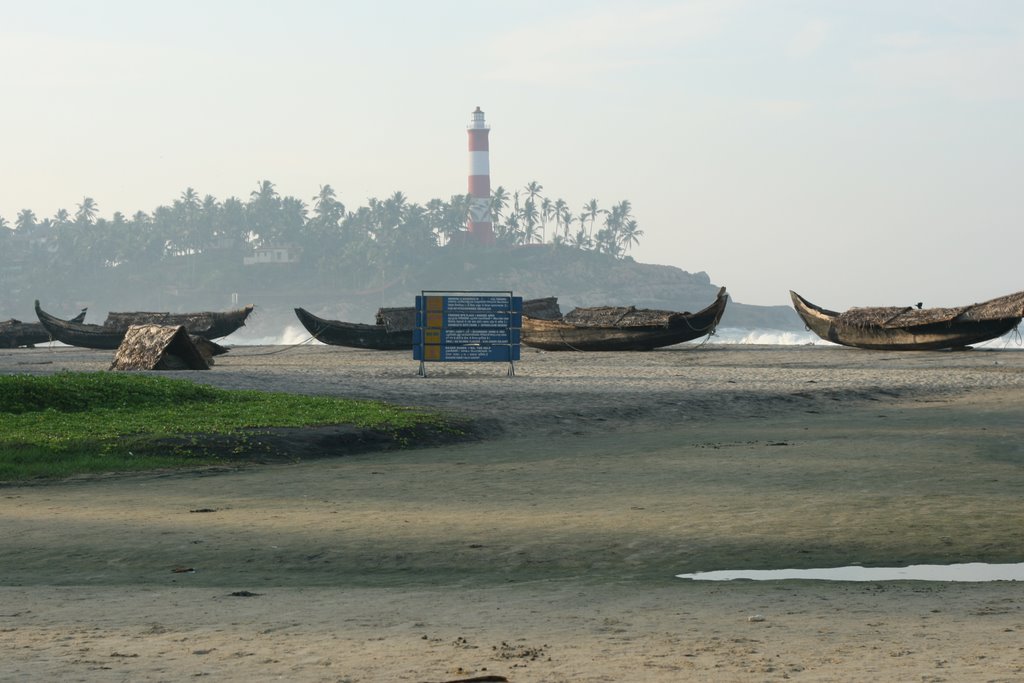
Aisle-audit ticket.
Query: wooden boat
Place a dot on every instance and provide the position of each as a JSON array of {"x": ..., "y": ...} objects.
[
  {"x": 394, "y": 328},
  {"x": 15, "y": 333},
  {"x": 206, "y": 325},
  {"x": 622, "y": 328},
  {"x": 910, "y": 328},
  {"x": 354, "y": 335}
]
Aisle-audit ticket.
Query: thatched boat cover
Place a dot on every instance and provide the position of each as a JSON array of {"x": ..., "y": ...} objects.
[
  {"x": 890, "y": 317},
  {"x": 619, "y": 316},
  {"x": 203, "y": 320},
  {"x": 404, "y": 318},
  {"x": 158, "y": 347},
  {"x": 396, "y": 319},
  {"x": 542, "y": 309}
]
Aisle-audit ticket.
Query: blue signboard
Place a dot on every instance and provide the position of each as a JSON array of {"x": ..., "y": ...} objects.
[{"x": 467, "y": 327}]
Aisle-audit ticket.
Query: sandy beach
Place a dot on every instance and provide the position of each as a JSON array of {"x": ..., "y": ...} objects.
[{"x": 548, "y": 551}]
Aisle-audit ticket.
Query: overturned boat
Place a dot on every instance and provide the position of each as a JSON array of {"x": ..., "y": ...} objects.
[
  {"x": 909, "y": 328},
  {"x": 610, "y": 328}
]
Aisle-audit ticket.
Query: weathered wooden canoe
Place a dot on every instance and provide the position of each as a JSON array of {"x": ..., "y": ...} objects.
[
  {"x": 393, "y": 330},
  {"x": 208, "y": 324},
  {"x": 908, "y": 328},
  {"x": 622, "y": 328},
  {"x": 15, "y": 333},
  {"x": 205, "y": 325}
]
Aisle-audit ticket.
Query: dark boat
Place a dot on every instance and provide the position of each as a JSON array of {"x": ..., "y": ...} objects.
[
  {"x": 611, "y": 328},
  {"x": 355, "y": 335},
  {"x": 394, "y": 328},
  {"x": 206, "y": 325},
  {"x": 909, "y": 328},
  {"x": 15, "y": 333}
]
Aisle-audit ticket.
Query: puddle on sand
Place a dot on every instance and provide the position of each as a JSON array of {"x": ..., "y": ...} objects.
[{"x": 967, "y": 572}]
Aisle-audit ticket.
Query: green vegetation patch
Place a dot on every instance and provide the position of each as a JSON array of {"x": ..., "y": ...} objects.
[{"x": 73, "y": 423}]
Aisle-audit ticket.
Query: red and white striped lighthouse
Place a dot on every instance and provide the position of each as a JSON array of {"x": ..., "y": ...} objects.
[{"x": 480, "y": 229}]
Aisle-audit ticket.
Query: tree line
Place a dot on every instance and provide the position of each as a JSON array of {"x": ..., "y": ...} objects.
[{"x": 360, "y": 244}]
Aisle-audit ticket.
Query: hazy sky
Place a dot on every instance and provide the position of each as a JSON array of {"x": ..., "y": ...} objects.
[{"x": 860, "y": 152}]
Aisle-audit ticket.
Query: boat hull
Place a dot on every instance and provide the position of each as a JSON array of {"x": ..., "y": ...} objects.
[
  {"x": 956, "y": 333},
  {"x": 102, "y": 337},
  {"x": 381, "y": 337},
  {"x": 354, "y": 335},
  {"x": 558, "y": 335},
  {"x": 207, "y": 324},
  {"x": 15, "y": 333}
]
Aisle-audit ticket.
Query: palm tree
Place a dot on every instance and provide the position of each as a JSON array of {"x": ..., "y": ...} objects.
[
  {"x": 625, "y": 210},
  {"x": 581, "y": 240},
  {"x": 232, "y": 225},
  {"x": 263, "y": 209},
  {"x": 590, "y": 213},
  {"x": 185, "y": 234},
  {"x": 565, "y": 219},
  {"x": 509, "y": 230},
  {"x": 264, "y": 191},
  {"x": 414, "y": 236},
  {"x": 86, "y": 213},
  {"x": 560, "y": 211},
  {"x": 606, "y": 241},
  {"x": 499, "y": 200},
  {"x": 434, "y": 214},
  {"x": 456, "y": 214},
  {"x": 190, "y": 197},
  {"x": 209, "y": 219},
  {"x": 609, "y": 237},
  {"x": 533, "y": 190},
  {"x": 25, "y": 223},
  {"x": 294, "y": 216},
  {"x": 397, "y": 202},
  {"x": 326, "y": 206},
  {"x": 547, "y": 211},
  {"x": 630, "y": 234},
  {"x": 530, "y": 215}
]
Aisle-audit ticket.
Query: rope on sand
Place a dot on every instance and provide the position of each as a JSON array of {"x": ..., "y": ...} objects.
[{"x": 271, "y": 353}]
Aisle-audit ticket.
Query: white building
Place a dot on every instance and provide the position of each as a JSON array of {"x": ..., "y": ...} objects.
[{"x": 282, "y": 254}]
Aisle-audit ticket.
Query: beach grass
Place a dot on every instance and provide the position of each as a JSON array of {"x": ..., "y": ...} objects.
[{"x": 72, "y": 423}]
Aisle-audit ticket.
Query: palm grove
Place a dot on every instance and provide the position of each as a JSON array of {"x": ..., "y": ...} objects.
[{"x": 198, "y": 243}]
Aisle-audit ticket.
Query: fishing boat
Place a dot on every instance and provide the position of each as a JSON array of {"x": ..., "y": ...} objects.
[
  {"x": 354, "y": 335},
  {"x": 614, "y": 328},
  {"x": 913, "y": 328},
  {"x": 393, "y": 330},
  {"x": 208, "y": 324},
  {"x": 15, "y": 333},
  {"x": 213, "y": 325}
]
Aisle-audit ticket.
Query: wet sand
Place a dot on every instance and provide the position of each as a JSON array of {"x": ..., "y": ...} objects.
[{"x": 548, "y": 552}]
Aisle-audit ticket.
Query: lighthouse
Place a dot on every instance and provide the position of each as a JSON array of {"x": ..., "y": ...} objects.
[{"x": 479, "y": 224}]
